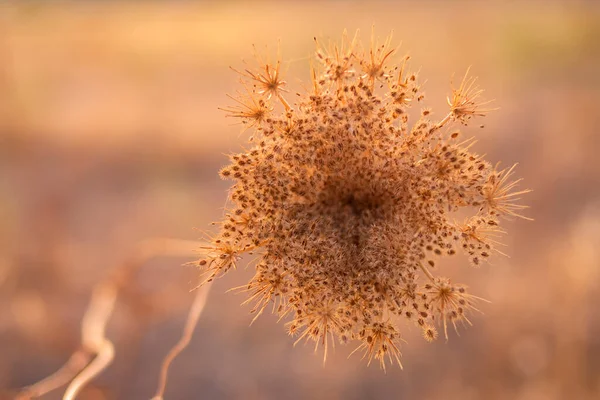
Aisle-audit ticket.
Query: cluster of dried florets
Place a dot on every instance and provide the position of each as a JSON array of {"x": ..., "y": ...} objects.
[{"x": 348, "y": 207}]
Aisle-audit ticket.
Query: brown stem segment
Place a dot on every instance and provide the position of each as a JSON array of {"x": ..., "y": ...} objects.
[
  {"x": 427, "y": 273},
  {"x": 188, "y": 331},
  {"x": 78, "y": 369}
]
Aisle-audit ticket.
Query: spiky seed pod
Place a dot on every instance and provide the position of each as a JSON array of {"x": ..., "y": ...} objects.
[{"x": 348, "y": 208}]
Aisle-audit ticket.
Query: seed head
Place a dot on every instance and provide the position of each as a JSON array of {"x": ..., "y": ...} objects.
[
  {"x": 349, "y": 208},
  {"x": 466, "y": 102}
]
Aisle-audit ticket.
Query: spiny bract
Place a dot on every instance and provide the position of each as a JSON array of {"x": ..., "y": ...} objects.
[{"x": 348, "y": 208}]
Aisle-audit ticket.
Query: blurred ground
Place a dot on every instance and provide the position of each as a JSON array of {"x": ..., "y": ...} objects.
[{"x": 110, "y": 133}]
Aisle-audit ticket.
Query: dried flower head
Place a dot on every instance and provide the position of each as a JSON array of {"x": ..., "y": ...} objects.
[{"x": 348, "y": 208}]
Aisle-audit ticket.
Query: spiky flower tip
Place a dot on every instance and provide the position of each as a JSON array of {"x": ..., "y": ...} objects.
[{"x": 348, "y": 208}]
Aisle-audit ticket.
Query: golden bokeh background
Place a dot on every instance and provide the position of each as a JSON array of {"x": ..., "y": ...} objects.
[{"x": 110, "y": 134}]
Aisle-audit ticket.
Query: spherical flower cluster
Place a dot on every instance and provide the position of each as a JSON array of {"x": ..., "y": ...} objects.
[{"x": 348, "y": 208}]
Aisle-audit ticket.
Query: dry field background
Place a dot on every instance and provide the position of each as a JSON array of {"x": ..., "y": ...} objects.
[{"x": 110, "y": 134}]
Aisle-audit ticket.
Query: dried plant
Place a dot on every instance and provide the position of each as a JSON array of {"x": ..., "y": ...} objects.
[
  {"x": 97, "y": 352},
  {"x": 349, "y": 208}
]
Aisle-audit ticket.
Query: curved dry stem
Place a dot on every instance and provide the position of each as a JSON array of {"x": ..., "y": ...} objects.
[
  {"x": 105, "y": 355},
  {"x": 190, "y": 325},
  {"x": 93, "y": 330},
  {"x": 93, "y": 326},
  {"x": 62, "y": 376}
]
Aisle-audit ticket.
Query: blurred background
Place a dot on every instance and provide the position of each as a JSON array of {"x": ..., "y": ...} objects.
[{"x": 110, "y": 134}]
